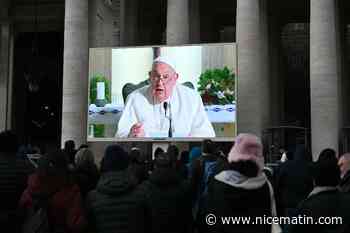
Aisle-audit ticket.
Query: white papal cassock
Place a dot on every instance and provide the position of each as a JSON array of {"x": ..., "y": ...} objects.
[{"x": 189, "y": 118}]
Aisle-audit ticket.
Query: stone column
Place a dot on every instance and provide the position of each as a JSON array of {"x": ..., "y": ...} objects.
[
  {"x": 75, "y": 72},
  {"x": 253, "y": 101},
  {"x": 195, "y": 31},
  {"x": 325, "y": 76},
  {"x": 177, "y": 30},
  {"x": 128, "y": 22},
  {"x": 4, "y": 65}
]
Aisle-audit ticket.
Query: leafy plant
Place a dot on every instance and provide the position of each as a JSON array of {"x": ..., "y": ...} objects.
[
  {"x": 93, "y": 88},
  {"x": 217, "y": 86}
]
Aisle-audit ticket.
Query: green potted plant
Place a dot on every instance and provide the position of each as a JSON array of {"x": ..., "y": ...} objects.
[{"x": 217, "y": 86}]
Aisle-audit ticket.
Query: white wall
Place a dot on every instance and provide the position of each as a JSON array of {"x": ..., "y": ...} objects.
[
  {"x": 188, "y": 62},
  {"x": 129, "y": 65}
]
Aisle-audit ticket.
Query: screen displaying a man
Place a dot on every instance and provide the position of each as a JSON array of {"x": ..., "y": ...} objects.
[{"x": 164, "y": 108}]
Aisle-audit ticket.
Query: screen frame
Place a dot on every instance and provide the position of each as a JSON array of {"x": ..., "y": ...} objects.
[{"x": 166, "y": 139}]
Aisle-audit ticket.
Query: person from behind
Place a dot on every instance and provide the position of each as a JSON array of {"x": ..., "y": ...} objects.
[
  {"x": 195, "y": 153},
  {"x": 109, "y": 205},
  {"x": 166, "y": 206},
  {"x": 86, "y": 171},
  {"x": 69, "y": 149},
  {"x": 293, "y": 181},
  {"x": 14, "y": 171},
  {"x": 325, "y": 200},
  {"x": 138, "y": 165},
  {"x": 344, "y": 166},
  {"x": 52, "y": 182},
  {"x": 204, "y": 170},
  {"x": 242, "y": 189}
]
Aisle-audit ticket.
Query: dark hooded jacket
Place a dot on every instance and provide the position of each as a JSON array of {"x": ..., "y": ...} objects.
[
  {"x": 110, "y": 205},
  {"x": 294, "y": 180},
  {"x": 166, "y": 204},
  {"x": 234, "y": 195}
]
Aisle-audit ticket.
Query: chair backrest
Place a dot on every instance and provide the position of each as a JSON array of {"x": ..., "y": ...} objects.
[{"x": 129, "y": 87}]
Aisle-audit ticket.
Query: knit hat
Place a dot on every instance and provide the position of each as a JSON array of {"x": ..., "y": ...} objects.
[
  {"x": 84, "y": 157},
  {"x": 115, "y": 159},
  {"x": 247, "y": 147},
  {"x": 167, "y": 60}
]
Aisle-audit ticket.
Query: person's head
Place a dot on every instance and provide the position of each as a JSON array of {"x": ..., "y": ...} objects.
[
  {"x": 157, "y": 152},
  {"x": 185, "y": 157},
  {"x": 248, "y": 152},
  {"x": 8, "y": 142},
  {"x": 208, "y": 147},
  {"x": 53, "y": 164},
  {"x": 136, "y": 155},
  {"x": 69, "y": 145},
  {"x": 83, "y": 146},
  {"x": 115, "y": 159},
  {"x": 344, "y": 164},
  {"x": 163, "y": 78},
  {"x": 325, "y": 170},
  {"x": 84, "y": 158},
  {"x": 173, "y": 152},
  {"x": 163, "y": 161}
]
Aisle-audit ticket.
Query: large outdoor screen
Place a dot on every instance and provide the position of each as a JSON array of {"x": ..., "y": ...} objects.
[{"x": 162, "y": 92}]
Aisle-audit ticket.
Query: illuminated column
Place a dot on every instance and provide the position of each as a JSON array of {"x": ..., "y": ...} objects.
[
  {"x": 177, "y": 30},
  {"x": 325, "y": 76},
  {"x": 75, "y": 72},
  {"x": 253, "y": 101}
]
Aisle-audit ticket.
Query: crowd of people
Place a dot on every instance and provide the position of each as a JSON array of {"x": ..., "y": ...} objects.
[{"x": 173, "y": 193}]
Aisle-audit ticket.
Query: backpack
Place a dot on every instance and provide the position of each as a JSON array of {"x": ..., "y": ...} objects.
[{"x": 37, "y": 220}]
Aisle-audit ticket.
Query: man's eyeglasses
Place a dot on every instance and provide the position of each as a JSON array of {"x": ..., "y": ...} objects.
[{"x": 155, "y": 77}]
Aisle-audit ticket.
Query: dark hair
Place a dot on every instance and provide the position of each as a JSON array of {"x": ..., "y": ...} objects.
[
  {"x": 83, "y": 146},
  {"x": 163, "y": 160},
  {"x": 115, "y": 159},
  {"x": 173, "y": 152},
  {"x": 208, "y": 146},
  {"x": 157, "y": 152},
  {"x": 53, "y": 164},
  {"x": 8, "y": 142},
  {"x": 247, "y": 168},
  {"x": 325, "y": 170},
  {"x": 69, "y": 145}
]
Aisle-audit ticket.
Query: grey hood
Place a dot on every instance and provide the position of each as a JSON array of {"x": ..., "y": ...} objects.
[{"x": 236, "y": 179}]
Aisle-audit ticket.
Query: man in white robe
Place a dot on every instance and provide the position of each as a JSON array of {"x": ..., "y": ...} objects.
[{"x": 164, "y": 108}]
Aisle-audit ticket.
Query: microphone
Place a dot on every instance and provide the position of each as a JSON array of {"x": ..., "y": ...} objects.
[{"x": 165, "y": 106}]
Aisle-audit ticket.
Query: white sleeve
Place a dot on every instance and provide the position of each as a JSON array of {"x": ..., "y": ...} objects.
[
  {"x": 201, "y": 126},
  {"x": 128, "y": 118}
]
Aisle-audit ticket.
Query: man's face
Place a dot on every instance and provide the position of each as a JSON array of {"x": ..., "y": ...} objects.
[{"x": 163, "y": 79}]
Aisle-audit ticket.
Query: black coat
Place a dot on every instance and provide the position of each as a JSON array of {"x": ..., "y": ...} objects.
[
  {"x": 166, "y": 206},
  {"x": 344, "y": 185},
  {"x": 226, "y": 200},
  {"x": 330, "y": 203},
  {"x": 14, "y": 173},
  {"x": 294, "y": 181},
  {"x": 86, "y": 178},
  {"x": 109, "y": 207}
]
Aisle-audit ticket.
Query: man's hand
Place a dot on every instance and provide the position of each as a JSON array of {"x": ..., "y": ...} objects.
[{"x": 137, "y": 131}]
